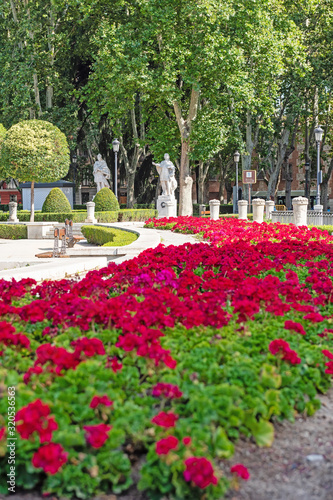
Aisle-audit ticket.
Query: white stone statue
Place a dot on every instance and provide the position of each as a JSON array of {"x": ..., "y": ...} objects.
[
  {"x": 101, "y": 173},
  {"x": 166, "y": 170}
]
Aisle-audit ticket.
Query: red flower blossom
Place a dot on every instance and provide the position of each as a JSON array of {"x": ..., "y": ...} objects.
[
  {"x": 165, "y": 445},
  {"x": 2, "y": 433},
  {"x": 100, "y": 400},
  {"x": 241, "y": 471},
  {"x": 293, "y": 325},
  {"x": 96, "y": 435},
  {"x": 327, "y": 353},
  {"x": 164, "y": 419},
  {"x": 50, "y": 457},
  {"x": 167, "y": 390},
  {"x": 200, "y": 471},
  {"x": 90, "y": 347},
  {"x": 114, "y": 364},
  {"x": 187, "y": 440},
  {"x": 280, "y": 346},
  {"x": 35, "y": 418}
]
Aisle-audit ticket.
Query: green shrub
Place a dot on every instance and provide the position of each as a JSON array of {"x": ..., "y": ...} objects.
[
  {"x": 105, "y": 201},
  {"x": 107, "y": 236},
  {"x": 56, "y": 202},
  {"x": 13, "y": 231},
  {"x": 136, "y": 215}
]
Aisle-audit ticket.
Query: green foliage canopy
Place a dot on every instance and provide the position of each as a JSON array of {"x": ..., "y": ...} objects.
[{"x": 34, "y": 150}]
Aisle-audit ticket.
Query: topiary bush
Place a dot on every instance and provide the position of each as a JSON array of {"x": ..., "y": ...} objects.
[
  {"x": 56, "y": 201},
  {"x": 13, "y": 231},
  {"x": 108, "y": 237},
  {"x": 105, "y": 201}
]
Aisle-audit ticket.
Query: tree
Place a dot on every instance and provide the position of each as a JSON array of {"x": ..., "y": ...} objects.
[{"x": 35, "y": 151}]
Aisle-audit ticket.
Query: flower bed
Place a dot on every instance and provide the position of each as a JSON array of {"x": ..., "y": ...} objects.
[{"x": 172, "y": 355}]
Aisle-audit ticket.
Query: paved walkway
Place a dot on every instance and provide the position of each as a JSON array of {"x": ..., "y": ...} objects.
[{"x": 17, "y": 257}]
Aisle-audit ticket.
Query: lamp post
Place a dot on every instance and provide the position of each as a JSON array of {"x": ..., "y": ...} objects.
[
  {"x": 74, "y": 160},
  {"x": 115, "y": 145},
  {"x": 236, "y": 160},
  {"x": 318, "y": 135}
]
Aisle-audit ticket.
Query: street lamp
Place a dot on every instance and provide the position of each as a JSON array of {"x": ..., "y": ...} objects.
[
  {"x": 74, "y": 160},
  {"x": 115, "y": 145},
  {"x": 236, "y": 160},
  {"x": 318, "y": 135},
  {"x": 307, "y": 171}
]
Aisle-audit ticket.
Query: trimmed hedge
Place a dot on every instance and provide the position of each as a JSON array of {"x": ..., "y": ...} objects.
[
  {"x": 105, "y": 201},
  {"x": 136, "y": 214},
  {"x": 13, "y": 231},
  {"x": 81, "y": 215},
  {"x": 107, "y": 236},
  {"x": 56, "y": 202}
]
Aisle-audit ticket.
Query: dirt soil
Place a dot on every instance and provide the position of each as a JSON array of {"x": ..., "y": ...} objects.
[{"x": 282, "y": 472}]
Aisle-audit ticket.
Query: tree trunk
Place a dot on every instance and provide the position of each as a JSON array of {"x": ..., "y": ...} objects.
[
  {"x": 185, "y": 125},
  {"x": 276, "y": 169},
  {"x": 324, "y": 186},
  {"x": 130, "y": 177},
  {"x": 289, "y": 179},
  {"x": 32, "y": 209},
  {"x": 203, "y": 171},
  {"x": 229, "y": 189}
]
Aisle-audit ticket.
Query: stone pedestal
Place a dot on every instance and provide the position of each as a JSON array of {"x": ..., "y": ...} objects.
[
  {"x": 91, "y": 213},
  {"x": 214, "y": 207},
  {"x": 13, "y": 212},
  {"x": 300, "y": 207},
  {"x": 166, "y": 206},
  {"x": 269, "y": 205},
  {"x": 258, "y": 210},
  {"x": 242, "y": 209}
]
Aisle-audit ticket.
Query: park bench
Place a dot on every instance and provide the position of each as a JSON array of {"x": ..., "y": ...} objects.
[
  {"x": 280, "y": 208},
  {"x": 66, "y": 237},
  {"x": 204, "y": 212}
]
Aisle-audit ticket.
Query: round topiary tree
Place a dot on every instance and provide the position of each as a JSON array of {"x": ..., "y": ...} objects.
[
  {"x": 105, "y": 201},
  {"x": 56, "y": 201},
  {"x": 36, "y": 151}
]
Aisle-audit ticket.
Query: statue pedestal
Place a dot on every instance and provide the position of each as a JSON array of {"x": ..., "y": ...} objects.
[{"x": 166, "y": 206}]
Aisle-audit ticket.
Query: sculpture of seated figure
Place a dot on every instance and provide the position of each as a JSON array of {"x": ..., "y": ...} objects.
[{"x": 101, "y": 173}]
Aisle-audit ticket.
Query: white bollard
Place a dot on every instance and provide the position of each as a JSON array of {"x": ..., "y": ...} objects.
[
  {"x": 13, "y": 212},
  {"x": 91, "y": 213},
  {"x": 242, "y": 209},
  {"x": 214, "y": 207},
  {"x": 269, "y": 204},
  {"x": 258, "y": 210},
  {"x": 300, "y": 207}
]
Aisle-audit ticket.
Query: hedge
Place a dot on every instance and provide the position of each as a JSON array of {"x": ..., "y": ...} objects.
[
  {"x": 81, "y": 215},
  {"x": 107, "y": 236},
  {"x": 136, "y": 214},
  {"x": 13, "y": 231},
  {"x": 224, "y": 209}
]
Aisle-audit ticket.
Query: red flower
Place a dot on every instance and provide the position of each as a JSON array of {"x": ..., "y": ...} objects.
[
  {"x": 164, "y": 419},
  {"x": 165, "y": 445},
  {"x": 327, "y": 353},
  {"x": 166, "y": 390},
  {"x": 89, "y": 347},
  {"x": 100, "y": 400},
  {"x": 293, "y": 325},
  {"x": 187, "y": 440},
  {"x": 97, "y": 434},
  {"x": 32, "y": 370},
  {"x": 2, "y": 433},
  {"x": 280, "y": 346},
  {"x": 113, "y": 364},
  {"x": 200, "y": 471},
  {"x": 50, "y": 458},
  {"x": 35, "y": 418},
  {"x": 241, "y": 471}
]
